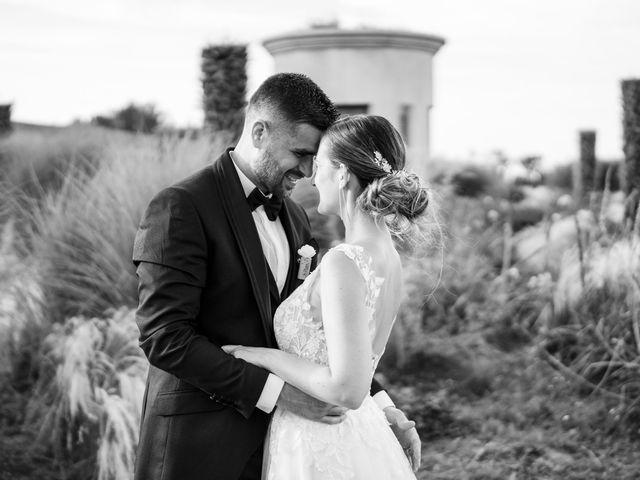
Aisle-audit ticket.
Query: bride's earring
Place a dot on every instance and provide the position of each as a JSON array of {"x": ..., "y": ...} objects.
[
  {"x": 343, "y": 203},
  {"x": 345, "y": 175}
]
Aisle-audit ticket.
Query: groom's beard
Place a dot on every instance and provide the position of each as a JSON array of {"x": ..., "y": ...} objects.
[{"x": 272, "y": 179}]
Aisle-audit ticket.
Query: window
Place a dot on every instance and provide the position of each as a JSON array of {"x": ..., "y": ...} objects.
[{"x": 405, "y": 114}]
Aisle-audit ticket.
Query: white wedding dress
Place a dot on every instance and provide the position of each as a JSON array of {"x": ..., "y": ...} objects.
[{"x": 362, "y": 447}]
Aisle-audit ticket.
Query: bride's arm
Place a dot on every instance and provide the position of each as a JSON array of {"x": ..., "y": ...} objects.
[{"x": 347, "y": 378}]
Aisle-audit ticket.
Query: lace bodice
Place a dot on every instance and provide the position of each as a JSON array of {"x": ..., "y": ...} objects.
[
  {"x": 298, "y": 320},
  {"x": 362, "y": 445}
]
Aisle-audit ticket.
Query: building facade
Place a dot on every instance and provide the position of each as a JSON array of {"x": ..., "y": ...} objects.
[{"x": 380, "y": 72}]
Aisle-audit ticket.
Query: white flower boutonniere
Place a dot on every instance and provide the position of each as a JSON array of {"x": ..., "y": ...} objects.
[{"x": 306, "y": 252}]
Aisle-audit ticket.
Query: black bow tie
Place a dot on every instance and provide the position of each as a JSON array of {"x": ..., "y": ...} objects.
[{"x": 272, "y": 205}]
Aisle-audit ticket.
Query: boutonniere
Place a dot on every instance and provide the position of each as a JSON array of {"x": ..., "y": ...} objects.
[{"x": 306, "y": 253}]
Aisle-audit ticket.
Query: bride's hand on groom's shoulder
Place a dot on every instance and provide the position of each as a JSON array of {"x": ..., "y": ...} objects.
[{"x": 406, "y": 433}]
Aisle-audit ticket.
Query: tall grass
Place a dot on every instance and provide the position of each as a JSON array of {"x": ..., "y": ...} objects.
[
  {"x": 595, "y": 334},
  {"x": 67, "y": 287},
  {"x": 67, "y": 290},
  {"x": 34, "y": 162},
  {"x": 445, "y": 280},
  {"x": 86, "y": 403},
  {"x": 81, "y": 235}
]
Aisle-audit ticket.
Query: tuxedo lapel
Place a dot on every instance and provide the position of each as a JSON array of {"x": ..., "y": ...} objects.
[
  {"x": 273, "y": 288},
  {"x": 246, "y": 235}
]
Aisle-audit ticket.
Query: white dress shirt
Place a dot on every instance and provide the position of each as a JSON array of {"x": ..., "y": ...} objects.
[{"x": 276, "y": 251}]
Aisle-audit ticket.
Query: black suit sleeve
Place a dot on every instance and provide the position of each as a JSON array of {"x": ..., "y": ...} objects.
[
  {"x": 171, "y": 254},
  {"x": 375, "y": 387}
]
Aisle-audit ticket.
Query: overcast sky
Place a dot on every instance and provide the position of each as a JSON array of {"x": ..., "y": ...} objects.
[{"x": 519, "y": 76}]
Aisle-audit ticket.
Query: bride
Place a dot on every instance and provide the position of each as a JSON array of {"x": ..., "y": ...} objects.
[{"x": 333, "y": 329}]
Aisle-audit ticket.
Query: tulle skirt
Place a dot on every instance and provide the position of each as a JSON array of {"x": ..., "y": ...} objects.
[{"x": 362, "y": 447}]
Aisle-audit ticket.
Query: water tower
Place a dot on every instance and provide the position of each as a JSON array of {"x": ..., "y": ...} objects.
[{"x": 381, "y": 72}]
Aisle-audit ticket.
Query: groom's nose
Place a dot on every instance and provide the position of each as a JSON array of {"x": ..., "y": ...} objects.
[{"x": 306, "y": 166}]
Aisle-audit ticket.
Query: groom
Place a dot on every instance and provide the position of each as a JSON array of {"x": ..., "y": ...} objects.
[{"x": 215, "y": 255}]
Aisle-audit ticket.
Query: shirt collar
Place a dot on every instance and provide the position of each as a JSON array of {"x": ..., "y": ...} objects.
[{"x": 247, "y": 185}]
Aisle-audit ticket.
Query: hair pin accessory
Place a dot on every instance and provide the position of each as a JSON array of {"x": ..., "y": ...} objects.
[{"x": 381, "y": 162}]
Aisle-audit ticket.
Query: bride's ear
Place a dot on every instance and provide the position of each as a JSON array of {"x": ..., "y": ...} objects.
[{"x": 344, "y": 177}]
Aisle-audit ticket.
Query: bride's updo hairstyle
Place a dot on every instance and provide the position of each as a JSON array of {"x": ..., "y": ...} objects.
[{"x": 373, "y": 150}]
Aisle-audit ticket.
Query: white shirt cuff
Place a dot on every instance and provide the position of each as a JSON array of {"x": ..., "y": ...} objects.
[
  {"x": 270, "y": 393},
  {"x": 383, "y": 400}
]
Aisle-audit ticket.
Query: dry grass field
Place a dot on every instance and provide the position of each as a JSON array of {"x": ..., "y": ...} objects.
[{"x": 517, "y": 350}]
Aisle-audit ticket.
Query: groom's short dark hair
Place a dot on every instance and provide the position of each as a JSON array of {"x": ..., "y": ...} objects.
[{"x": 297, "y": 98}]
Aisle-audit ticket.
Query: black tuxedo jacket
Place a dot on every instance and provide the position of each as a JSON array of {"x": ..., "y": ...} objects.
[{"x": 204, "y": 282}]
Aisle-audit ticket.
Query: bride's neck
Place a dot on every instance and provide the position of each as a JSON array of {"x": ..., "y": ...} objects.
[{"x": 363, "y": 227}]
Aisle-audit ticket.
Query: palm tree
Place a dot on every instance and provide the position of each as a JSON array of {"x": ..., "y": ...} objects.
[
  {"x": 5, "y": 118},
  {"x": 631, "y": 147},
  {"x": 587, "y": 161},
  {"x": 224, "y": 81}
]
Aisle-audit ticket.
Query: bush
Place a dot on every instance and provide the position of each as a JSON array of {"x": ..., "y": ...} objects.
[
  {"x": 560, "y": 176},
  {"x": 224, "y": 83},
  {"x": 471, "y": 182},
  {"x": 609, "y": 175},
  {"x": 75, "y": 256},
  {"x": 132, "y": 118},
  {"x": 5, "y": 119},
  {"x": 82, "y": 235},
  {"x": 66, "y": 346},
  {"x": 86, "y": 404},
  {"x": 631, "y": 135},
  {"x": 596, "y": 337},
  {"x": 526, "y": 216},
  {"x": 34, "y": 163},
  {"x": 444, "y": 285}
]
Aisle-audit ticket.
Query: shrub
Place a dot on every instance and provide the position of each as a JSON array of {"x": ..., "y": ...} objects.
[
  {"x": 34, "y": 163},
  {"x": 82, "y": 235},
  {"x": 609, "y": 175},
  {"x": 76, "y": 259},
  {"x": 525, "y": 216},
  {"x": 131, "y": 118},
  {"x": 587, "y": 164},
  {"x": 86, "y": 404},
  {"x": 83, "y": 374},
  {"x": 471, "y": 182},
  {"x": 596, "y": 340},
  {"x": 516, "y": 308},
  {"x": 5, "y": 119},
  {"x": 560, "y": 176},
  {"x": 631, "y": 132},
  {"x": 224, "y": 83},
  {"x": 445, "y": 284},
  {"x": 21, "y": 313}
]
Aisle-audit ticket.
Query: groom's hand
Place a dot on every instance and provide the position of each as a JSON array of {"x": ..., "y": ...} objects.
[{"x": 298, "y": 402}]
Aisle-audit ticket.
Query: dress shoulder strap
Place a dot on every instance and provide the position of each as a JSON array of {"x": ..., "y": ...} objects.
[{"x": 364, "y": 262}]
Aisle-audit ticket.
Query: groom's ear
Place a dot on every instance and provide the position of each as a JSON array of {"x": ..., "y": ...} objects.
[{"x": 258, "y": 132}]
